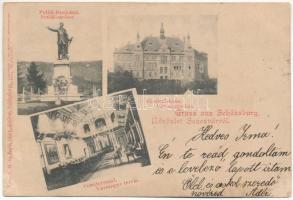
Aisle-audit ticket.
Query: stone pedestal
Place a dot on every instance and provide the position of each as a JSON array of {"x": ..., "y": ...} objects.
[
  {"x": 62, "y": 68},
  {"x": 62, "y": 88}
]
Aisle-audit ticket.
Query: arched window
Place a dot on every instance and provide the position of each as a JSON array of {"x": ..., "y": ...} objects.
[
  {"x": 100, "y": 123},
  {"x": 86, "y": 128}
]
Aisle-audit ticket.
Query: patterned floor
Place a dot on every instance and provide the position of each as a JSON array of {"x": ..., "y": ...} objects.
[
  {"x": 91, "y": 169},
  {"x": 107, "y": 162}
]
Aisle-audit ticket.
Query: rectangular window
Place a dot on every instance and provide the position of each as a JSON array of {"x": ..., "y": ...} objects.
[
  {"x": 161, "y": 70},
  {"x": 165, "y": 70},
  {"x": 163, "y": 59},
  {"x": 173, "y": 58},
  {"x": 161, "y": 77},
  {"x": 150, "y": 74},
  {"x": 51, "y": 153},
  {"x": 201, "y": 68},
  {"x": 152, "y": 66}
]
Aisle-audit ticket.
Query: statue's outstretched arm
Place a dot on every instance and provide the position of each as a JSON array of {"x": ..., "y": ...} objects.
[{"x": 51, "y": 29}]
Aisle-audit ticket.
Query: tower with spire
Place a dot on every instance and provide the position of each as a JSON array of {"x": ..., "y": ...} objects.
[
  {"x": 138, "y": 42},
  {"x": 137, "y": 38},
  {"x": 187, "y": 43},
  {"x": 162, "y": 32}
]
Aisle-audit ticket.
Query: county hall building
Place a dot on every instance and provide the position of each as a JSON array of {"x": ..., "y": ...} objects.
[{"x": 162, "y": 58}]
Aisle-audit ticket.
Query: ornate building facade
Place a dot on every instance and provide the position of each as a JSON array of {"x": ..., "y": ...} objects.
[{"x": 162, "y": 58}]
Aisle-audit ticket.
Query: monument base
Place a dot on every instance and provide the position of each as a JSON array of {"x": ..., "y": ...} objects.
[
  {"x": 62, "y": 88},
  {"x": 61, "y": 68},
  {"x": 71, "y": 94}
]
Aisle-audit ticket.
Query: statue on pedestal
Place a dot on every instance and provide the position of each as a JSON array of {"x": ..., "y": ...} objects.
[
  {"x": 62, "y": 89},
  {"x": 63, "y": 41}
]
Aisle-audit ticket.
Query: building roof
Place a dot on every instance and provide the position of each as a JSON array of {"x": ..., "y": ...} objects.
[
  {"x": 155, "y": 43},
  {"x": 151, "y": 44}
]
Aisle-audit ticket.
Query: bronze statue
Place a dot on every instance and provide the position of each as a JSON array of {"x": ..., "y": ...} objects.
[{"x": 63, "y": 41}]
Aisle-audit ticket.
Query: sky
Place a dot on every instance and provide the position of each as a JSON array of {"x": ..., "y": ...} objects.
[
  {"x": 35, "y": 42},
  {"x": 97, "y": 32}
]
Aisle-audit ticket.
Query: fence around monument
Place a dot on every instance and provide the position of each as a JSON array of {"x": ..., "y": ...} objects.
[{"x": 28, "y": 96}]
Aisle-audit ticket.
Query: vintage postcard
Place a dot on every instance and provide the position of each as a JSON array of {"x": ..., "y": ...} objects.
[{"x": 147, "y": 99}]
